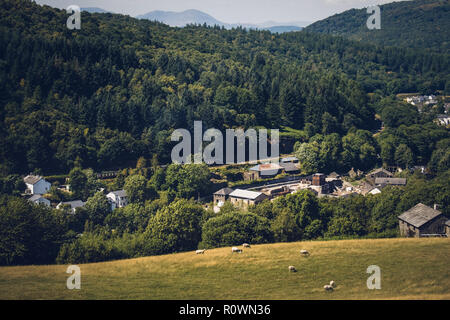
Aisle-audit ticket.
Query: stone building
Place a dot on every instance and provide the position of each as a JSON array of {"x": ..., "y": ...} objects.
[
  {"x": 245, "y": 198},
  {"x": 221, "y": 196},
  {"x": 422, "y": 220}
]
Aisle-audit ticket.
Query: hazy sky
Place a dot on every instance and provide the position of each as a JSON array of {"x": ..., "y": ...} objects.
[{"x": 230, "y": 11}]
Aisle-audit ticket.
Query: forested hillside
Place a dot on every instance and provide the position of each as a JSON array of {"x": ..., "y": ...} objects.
[
  {"x": 420, "y": 24},
  {"x": 113, "y": 91}
]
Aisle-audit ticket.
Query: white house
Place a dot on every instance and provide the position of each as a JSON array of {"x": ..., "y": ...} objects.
[
  {"x": 36, "y": 184},
  {"x": 73, "y": 205},
  {"x": 38, "y": 199},
  {"x": 443, "y": 119},
  {"x": 118, "y": 199}
]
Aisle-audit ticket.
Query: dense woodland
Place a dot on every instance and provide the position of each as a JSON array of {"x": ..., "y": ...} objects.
[
  {"x": 109, "y": 95},
  {"x": 113, "y": 91},
  {"x": 420, "y": 24}
]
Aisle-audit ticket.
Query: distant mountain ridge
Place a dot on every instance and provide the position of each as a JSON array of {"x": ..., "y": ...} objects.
[
  {"x": 423, "y": 24},
  {"x": 181, "y": 19}
]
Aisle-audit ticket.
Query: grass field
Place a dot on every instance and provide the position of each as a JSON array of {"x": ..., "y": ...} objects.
[{"x": 410, "y": 269}]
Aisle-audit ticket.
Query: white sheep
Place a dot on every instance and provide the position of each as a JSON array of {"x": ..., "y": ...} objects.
[
  {"x": 304, "y": 252},
  {"x": 200, "y": 251},
  {"x": 333, "y": 284},
  {"x": 246, "y": 245},
  {"x": 328, "y": 287},
  {"x": 236, "y": 249},
  {"x": 292, "y": 269}
]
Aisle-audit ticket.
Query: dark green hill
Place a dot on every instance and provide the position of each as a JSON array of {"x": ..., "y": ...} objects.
[
  {"x": 107, "y": 94},
  {"x": 423, "y": 24}
]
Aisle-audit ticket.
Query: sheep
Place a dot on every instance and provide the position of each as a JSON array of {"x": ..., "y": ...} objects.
[
  {"x": 200, "y": 251},
  {"x": 304, "y": 252},
  {"x": 292, "y": 269},
  {"x": 246, "y": 245},
  {"x": 333, "y": 284},
  {"x": 328, "y": 287},
  {"x": 236, "y": 249}
]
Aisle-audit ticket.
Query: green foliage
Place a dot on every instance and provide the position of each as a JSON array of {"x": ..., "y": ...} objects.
[
  {"x": 97, "y": 208},
  {"x": 139, "y": 189},
  {"x": 115, "y": 92},
  {"x": 28, "y": 233},
  {"x": 175, "y": 227},
  {"x": 189, "y": 180},
  {"x": 420, "y": 24},
  {"x": 235, "y": 228}
]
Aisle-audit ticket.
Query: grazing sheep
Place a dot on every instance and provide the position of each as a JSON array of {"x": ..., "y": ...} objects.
[
  {"x": 304, "y": 252},
  {"x": 200, "y": 251},
  {"x": 246, "y": 245},
  {"x": 328, "y": 287},
  {"x": 292, "y": 269},
  {"x": 236, "y": 249},
  {"x": 333, "y": 284}
]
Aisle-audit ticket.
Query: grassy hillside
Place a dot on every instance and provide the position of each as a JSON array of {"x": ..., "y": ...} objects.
[
  {"x": 410, "y": 269},
  {"x": 417, "y": 24}
]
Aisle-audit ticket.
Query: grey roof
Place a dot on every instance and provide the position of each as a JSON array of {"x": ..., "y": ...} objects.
[
  {"x": 224, "y": 191},
  {"x": 447, "y": 223},
  {"x": 119, "y": 193},
  {"x": 289, "y": 159},
  {"x": 266, "y": 167},
  {"x": 74, "y": 204},
  {"x": 245, "y": 194},
  {"x": 419, "y": 215},
  {"x": 30, "y": 179},
  {"x": 35, "y": 197},
  {"x": 333, "y": 175},
  {"x": 394, "y": 181},
  {"x": 289, "y": 167}
]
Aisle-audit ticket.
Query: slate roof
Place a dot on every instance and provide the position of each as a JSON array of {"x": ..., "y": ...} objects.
[
  {"x": 35, "y": 197},
  {"x": 245, "y": 194},
  {"x": 289, "y": 159},
  {"x": 30, "y": 179},
  {"x": 393, "y": 181},
  {"x": 419, "y": 215},
  {"x": 224, "y": 192},
  {"x": 289, "y": 167}
]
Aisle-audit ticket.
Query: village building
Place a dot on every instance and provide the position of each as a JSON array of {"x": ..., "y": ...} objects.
[
  {"x": 36, "y": 184},
  {"x": 289, "y": 160},
  {"x": 354, "y": 173},
  {"x": 390, "y": 181},
  {"x": 117, "y": 199},
  {"x": 290, "y": 168},
  {"x": 221, "y": 196},
  {"x": 72, "y": 204},
  {"x": 244, "y": 198},
  {"x": 421, "y": 220},
  {"x": 447, "y": 228},
  {"x": 39, "y": 199},
  {"x": 375, "y": 191},
  {"x": 378, "y": 173},
  {"x": 263, "y": 171},
  {"x": 443, "y": 119}
]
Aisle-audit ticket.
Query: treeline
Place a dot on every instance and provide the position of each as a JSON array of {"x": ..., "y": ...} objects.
[
  {"x": 407, "y": 141},
  {"x": 158, "y": 224},
  {"x": 112, "y": 92}
]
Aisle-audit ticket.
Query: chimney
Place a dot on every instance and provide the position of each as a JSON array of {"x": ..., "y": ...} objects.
[{"x": 436, "y": 206}]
